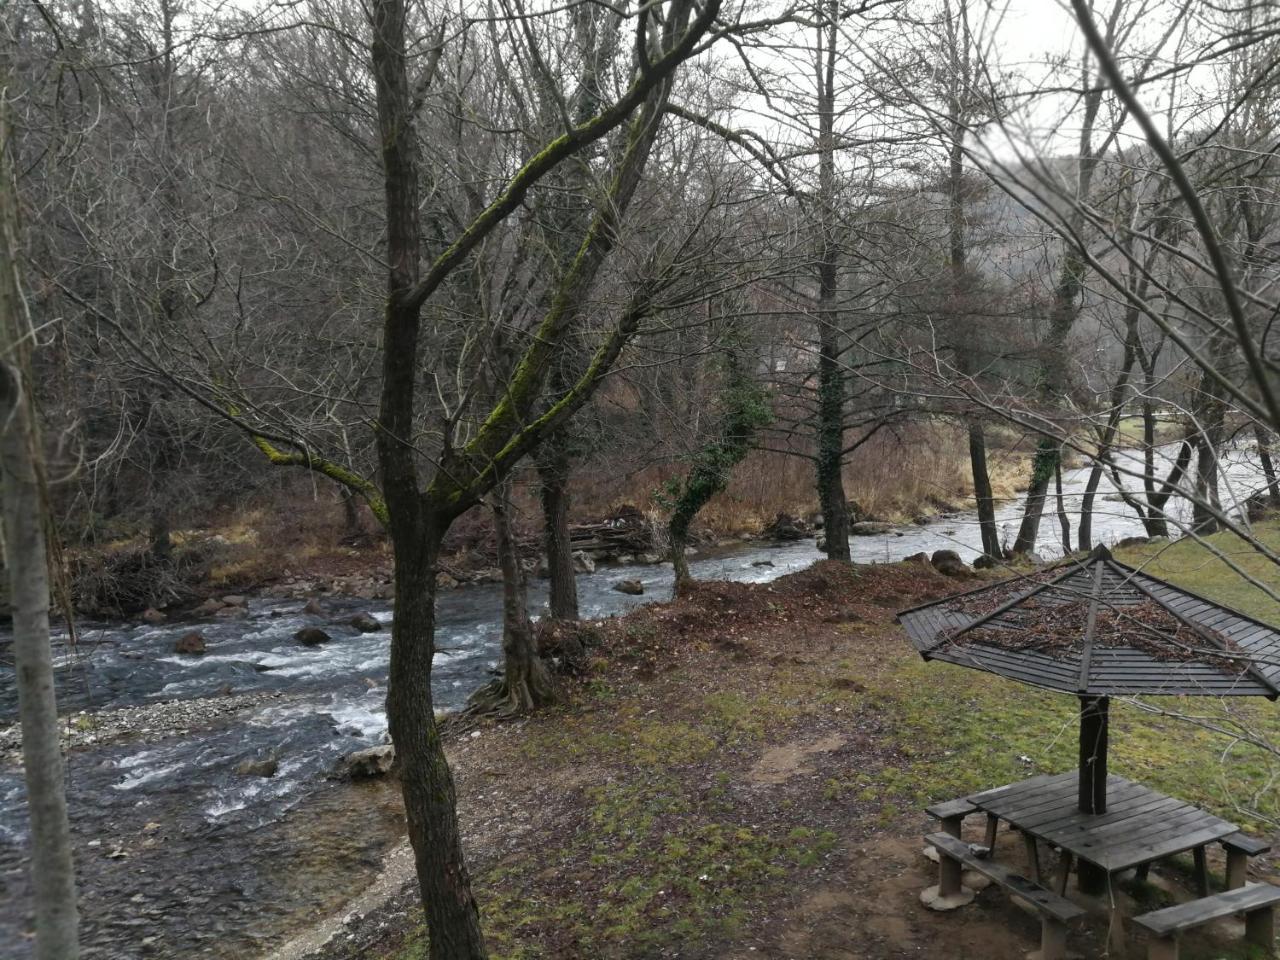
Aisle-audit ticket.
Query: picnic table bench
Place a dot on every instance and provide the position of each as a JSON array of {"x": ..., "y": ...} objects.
[{"x": 1140, "y": 826}]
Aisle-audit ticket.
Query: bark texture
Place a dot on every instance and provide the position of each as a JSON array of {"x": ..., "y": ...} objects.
[{"x": 25, "y": 517}]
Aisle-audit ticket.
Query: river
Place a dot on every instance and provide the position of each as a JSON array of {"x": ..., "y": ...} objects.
[{"x": 181, "y": 855}]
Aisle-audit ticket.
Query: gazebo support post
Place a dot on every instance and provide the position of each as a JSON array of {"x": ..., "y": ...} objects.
[{"x": 1093, "y": 780}]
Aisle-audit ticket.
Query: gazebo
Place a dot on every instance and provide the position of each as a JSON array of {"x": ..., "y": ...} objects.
[{"x": 1097, "y": 628}]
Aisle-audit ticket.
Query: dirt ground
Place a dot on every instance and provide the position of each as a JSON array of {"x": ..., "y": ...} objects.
[{"x": 729, "y": 779}]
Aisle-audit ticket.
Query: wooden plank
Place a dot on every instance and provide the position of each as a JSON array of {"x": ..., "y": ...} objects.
[
  {"x": 1249, "y": 846},
  {"x": 1195, "y": 913},
  {"x": 1118, "y": 809},
  {"x": 1121, "y": 858},
  {"x": 1170, "y": 822},
  {"x": 1119, "y": 799},
  {"x": 951, "y": 808}
]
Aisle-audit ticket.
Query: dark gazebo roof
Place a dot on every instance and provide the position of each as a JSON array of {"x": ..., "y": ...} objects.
[{"x": 1099, "y": 628}]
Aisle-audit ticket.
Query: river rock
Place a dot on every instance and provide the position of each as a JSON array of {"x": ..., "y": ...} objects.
[
  {"x": 229, "y": 613},
  {"x": 312, "y": 637},
  {"x": 582, "y": 562},
  {"x": 208, "y": 608},
  {"x": 985, "y": 562},
  {"x": 235, "y": 600},
  {"x": 1132, "y": 542},
  {"x": 152, "y": 615},
  {"x": 314, "y": 608},
  {"x": 366, "y": 764},
  {"x": 366, "y": 623},
  {"x": 921, "y": 557},
  {"x": 870, "y": 528},
  {"x": 260, "y": 767},
  {"x": 649, "y": 558},
  {"x": 191, "y": 644},
  {"x": 949, "y": 563},
  {"x": 762, "y": 563},
  {"x": 443, "y": 582},
  {"x": 785, "y": 527},
  {"x": 632, "y": 587}
]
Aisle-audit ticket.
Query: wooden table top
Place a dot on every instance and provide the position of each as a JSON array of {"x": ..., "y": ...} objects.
[{"x": 1140, "y": 825}]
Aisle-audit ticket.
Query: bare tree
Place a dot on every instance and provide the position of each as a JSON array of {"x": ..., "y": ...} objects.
[{"x": 26, "y": 522}]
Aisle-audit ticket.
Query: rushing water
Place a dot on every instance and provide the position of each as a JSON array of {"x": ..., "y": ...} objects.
[{"x": 176, "y": 846}]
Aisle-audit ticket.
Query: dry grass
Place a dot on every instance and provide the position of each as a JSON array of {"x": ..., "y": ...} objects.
[{"x": 920, "y": 469}]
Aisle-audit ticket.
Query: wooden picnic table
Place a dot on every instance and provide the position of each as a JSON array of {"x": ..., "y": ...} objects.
[{"x": 1139, "y": 827}]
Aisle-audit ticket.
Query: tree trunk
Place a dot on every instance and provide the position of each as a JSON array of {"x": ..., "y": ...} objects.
[
  {"x": 1210, "y": 415},
  {"x": 830, "y": 467},
  {"x": 1043, "y": 466},
  {"x": 1063, "y": 521},
  {"x": 350, "y": 512},
  {"x": 831, "y": 379},
  {"x": 982, "y": 492},
  {"x": 553, "y": 474},
  {"x": 1203, "y": 520},
  {"x": 52, "y": 868},
  {"x": 1268, "y": 465},
  {"x": 526, "y": 684},
  {"x": 430, "y": 802},
  {"x": 1156, "y": 523},
  {"x": 161, "y": 534},
  {"x": 678, "y": 539},
  {"x": 1086, "y": 505}
]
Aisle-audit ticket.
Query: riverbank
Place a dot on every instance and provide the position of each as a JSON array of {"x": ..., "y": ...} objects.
[
  {"x": 776, "y": 811},
  {"x": 293, "y": 544}
]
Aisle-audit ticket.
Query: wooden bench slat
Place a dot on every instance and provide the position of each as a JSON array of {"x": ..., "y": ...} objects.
[
  {"x": 1194, "y": 913},
  {"x": 1249, "y": 846},
  {"x": 1046, "y": 901},
  {"x": 951, "y": 808}
]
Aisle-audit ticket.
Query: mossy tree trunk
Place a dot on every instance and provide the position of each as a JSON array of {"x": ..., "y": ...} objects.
[
  {"x": 554, "y": 468},
  {"x": 526, "y": 682},
  {"x": 1268, "y": 465},
  {"x": 831, "y": 375},
  {"x": 745, "y": 409}
]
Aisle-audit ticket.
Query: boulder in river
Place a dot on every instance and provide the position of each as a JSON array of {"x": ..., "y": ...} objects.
[
  {"x": 366, "y": 623},
  {"x": 985, "y": 562},
  {"x": 632, "y": 587},
  {"x": 208, "y": 608},
  {"x": 152, "y": 615},
  {"x": 921, "y": 557},
  {"x": 762, "y": 563},
  {"x": 870, "y": 528},
  {"x": 785, "y": 527},
  {"x": 235, "y": 600},
  {"x": 192, "y": 644},
  {"x": 582, "y": 562},
  {"x": 258, "y": 767},
  {"x": 314, "y": 608},
  {"x": 366, "y": 764},
  {"x": 312, "y": 637},
  {"x": 1132, "y": 542},
  {"x": 949, "y": 563}
]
